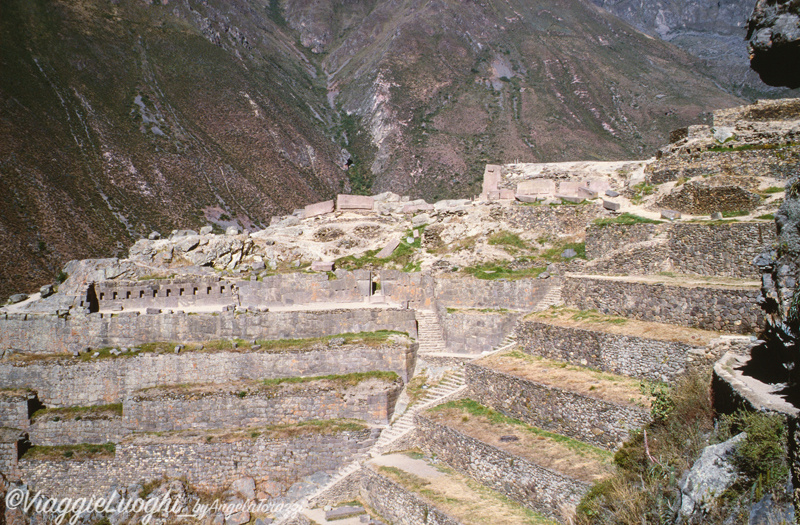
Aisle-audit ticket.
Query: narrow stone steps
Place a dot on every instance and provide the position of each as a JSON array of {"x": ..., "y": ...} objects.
[
  {"x": 552, "y": 298},
  {"x": 429, "y": 333}
]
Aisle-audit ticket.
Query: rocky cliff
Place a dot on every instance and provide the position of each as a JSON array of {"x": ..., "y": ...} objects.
[{"x": 774, "y": 35}]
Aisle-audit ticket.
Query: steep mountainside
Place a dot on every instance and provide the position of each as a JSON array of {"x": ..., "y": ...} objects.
[
  {"x": 713, "y": 30},
  {"x": 121, "y": 117}
]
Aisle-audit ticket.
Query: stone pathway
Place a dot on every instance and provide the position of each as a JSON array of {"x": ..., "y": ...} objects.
[{"x": 430, "y": 335}]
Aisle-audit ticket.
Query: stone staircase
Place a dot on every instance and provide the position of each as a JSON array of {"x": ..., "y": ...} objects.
[
  {"x": 552, "y": 298},
  {"x": 430, "y": 336},
  {"x": 451, "y": 385}
]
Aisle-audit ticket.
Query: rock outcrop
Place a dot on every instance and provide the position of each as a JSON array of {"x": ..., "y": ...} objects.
[{"x": 774, "y": 36}]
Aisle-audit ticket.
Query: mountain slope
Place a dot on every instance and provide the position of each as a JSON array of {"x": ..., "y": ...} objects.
[
  {"x": 120, "y": 117},
  {"x": 445, "y": 86}
]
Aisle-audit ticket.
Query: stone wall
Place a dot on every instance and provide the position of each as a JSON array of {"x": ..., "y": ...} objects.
[
  {"x": 208, "y": 408},
  {"x": 470, "y": 292},
  {"x": 209, "y": 466},
  {"x": 50, "y": 334},
  {"x": 698, "y": 197},
  {"x": 582, "y": 417},
  {"x": 535, "y": 487},
  {"x": 302, "y": 288},
  {"x": 604, "y": 239},
  {"x": 550, "y": 220},
  {"x": 473, "y": 331},
  {"x": 778, "y": 163},
  {"x": 10, "y": 440},
  {"x": 725, "y": 249},
  {"x": 397, "y": 504},
  {"x": 67, "y": 382},
  {"x": 705, "y": 307},
  {"x": 621, "y": 354},
  {"x": 14, "y": 408}
]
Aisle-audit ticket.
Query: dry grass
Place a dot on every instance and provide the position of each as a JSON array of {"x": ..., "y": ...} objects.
[{"x": 600, "y": 385}]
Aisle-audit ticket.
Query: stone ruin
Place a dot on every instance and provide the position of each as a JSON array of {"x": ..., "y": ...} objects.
[{"x": 194, "y": 362}]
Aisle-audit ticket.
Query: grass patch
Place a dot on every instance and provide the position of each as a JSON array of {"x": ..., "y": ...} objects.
[
  {"x": 401, "y": 258},
  {"x": 640, "y": 191},
  {"x": 766, "y": 217},
  {"x": 593, "y": 316},
  {"x": 77, "y": 413},
  {"x": 81, "y": 452},
  {"x": 554, "y": 254},
  {"x": 343, "y": 379},
  {"x": 626, "y": 219},
  {"x": 499, "y": 270},
  {"x": 749, "y": 147},
  {"x": 772, "y": 189},
  {"x": 475, "y": 409},
  {"x": 738, "y": 213},
  {"x": 505, "y": 238}
]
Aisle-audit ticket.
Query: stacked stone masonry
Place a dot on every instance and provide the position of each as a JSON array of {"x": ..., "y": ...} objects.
[
  {"x": 50, "y": 334},
  {"x": 76, "y": 430},
  {"x": 706, "y": 307},
  {"x": 632, "y": 356},
  {"x": 473, "y": 332},
  {"x": 169, "y": 409},
  {"x": 585, "y": 418},
  {"x": 725, "y": 250},
  {"x": 209, "y": 466},
  {"x": 533, "y": 486},
  {"x": 777, "y": 163},
  {"x": 65, "y": 382},
  {"x": 15, "y": 408},
  {"x": 398, "y": 504}
]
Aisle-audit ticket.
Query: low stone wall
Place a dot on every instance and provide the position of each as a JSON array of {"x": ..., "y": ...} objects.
[
  {"x": 207, "y": 408},
  {"x": 473, "y": 331},
  {"x": 585, "y": 418},
  {"x": 705, "y": 307},
  {"x": 533, "y": 486},
  {"x": 208, "y": 466},
  {"x": 303, "y": 288},
  {"x": 621, "y": 354},
  {"x": 72, "y": 430},
  {"x": 604, "y": 239},
  {"x": 50, "y": 334},
  {"x": 730, "y": 392},
  {"x": 724, "y": 249},
  {"x": 550, "y": 220},
  {"x": 469, "y": 292},
  {"x": 778, "y": 163},
  {"x": 397, "y": 504},
  {"x": 14, "y": 408},
  {"x": 66, "y": 382},
  {"x": 9, "y": 454}
]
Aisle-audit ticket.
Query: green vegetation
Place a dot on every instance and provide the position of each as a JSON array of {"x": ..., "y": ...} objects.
[
  {"x": 554, "y": 254},
  {"x": 78, "y": 412},
  {"x": 627, "y": 219},
  {"x": 766, "y": 217},
  {"x": 376, "y": 338},
  {"x": 79, "y": 452},
  {"x": 640, "y": 191},
  {"x": 342, "y": 379},
  {"x": 650, "y": 465},
  {"x": 731, "y": 214},
  {"x": 61, "y": 276},
  {"x": 475, "y": 409},
  {"x": 501, "y": 270},
  {"x": 401, "y": 258},
  {"x": 505, "y": 238},
  {"x": 773, "y": 189},
  {"x": 749, "y": 147}
]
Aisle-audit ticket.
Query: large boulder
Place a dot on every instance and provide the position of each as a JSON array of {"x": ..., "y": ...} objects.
[
  {"x": 774, "y": 42},
  {"x": 709, "y": 477}
]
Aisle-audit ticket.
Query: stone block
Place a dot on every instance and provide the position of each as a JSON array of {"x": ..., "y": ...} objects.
[
  {"x": 388, "y": 249},
  {"x": 599, "y": 185},
  {"x": 319, "y": 208},
  {"x": 492, "y": 176},
  {"x": 589, "y": 193},
  {"x": 493, "y": 195},
  {"x": 529, "y": 198},
  {"x": 232, "y": 230},
  {"x": 205, "y": 230},
  {"x": 612, "y": 193},
  {"x": 611, "y": 205},
  {"x": 152, "y": 311},
  {"x": 670, "y": 214},
  {"x": 422, "y": 218},
  {"x": 536, "y": 187},
  {"x": 417, "y": 207},
  {"x": 341, "y": 513},
  {"x": 569, "y": 187},
  {"x": 570, "y": 198},
  {"x": 506, "y": 195},
  {"x": 322, "y": 266},
  {"x": 354, "y": 202}
]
